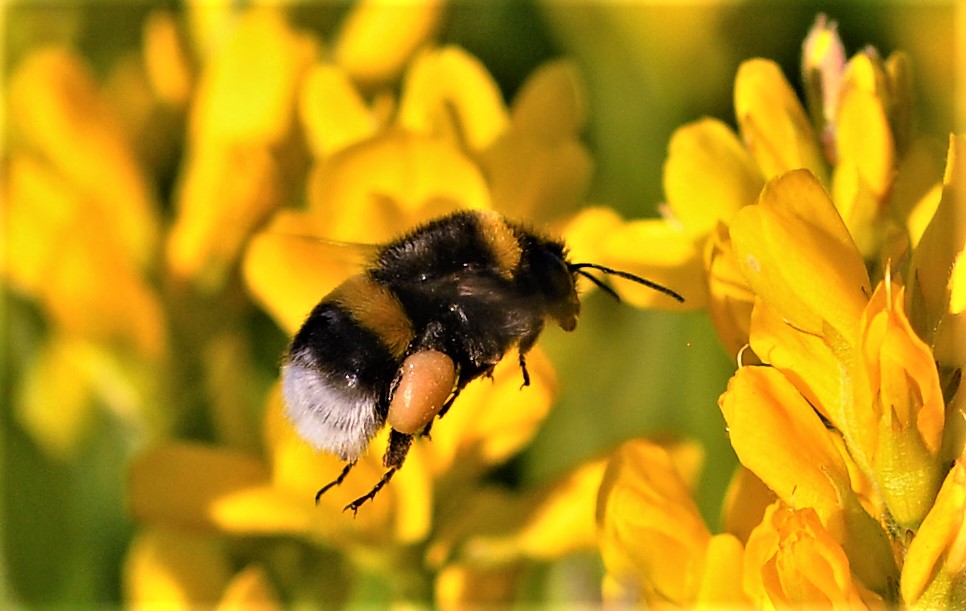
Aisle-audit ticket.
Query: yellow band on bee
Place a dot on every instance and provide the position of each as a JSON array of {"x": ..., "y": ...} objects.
[
  {"x": 501, "y": 241},
  {"x": 374, "y": 307}
]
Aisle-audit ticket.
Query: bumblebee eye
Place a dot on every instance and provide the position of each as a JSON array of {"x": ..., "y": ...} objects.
[
  {"x": 426, "y": 380},
  {"x": 554, "y": 279}
]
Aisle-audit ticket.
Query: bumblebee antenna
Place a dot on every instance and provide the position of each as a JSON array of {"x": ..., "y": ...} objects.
[
  {"x": 660, "y": 288},
  {"x": 600, "y": 283}
]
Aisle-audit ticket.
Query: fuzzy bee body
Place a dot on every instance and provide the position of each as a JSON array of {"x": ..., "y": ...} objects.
[{"x": 434, "y": 310}]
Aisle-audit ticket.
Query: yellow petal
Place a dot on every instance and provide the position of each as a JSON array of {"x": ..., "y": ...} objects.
[
  {"x": 249, "y": 590},
  {"x": 224, "y": 193},
  {"x": 773, "y": 123},
  {"x": 447, "y": 85},
  {"x": 55, "y": 107},
  {"x": 865, "y": 72},
  {"x": 745, "y": 503},
  {"x": 379, "y": 38},
  {"x": 917, "y": 188},
  {"x": 708, "y": 176},
  {"x": 532, "y": 177},
  {"x": 165, "y": 59},
  {"x": 372, "y": 192},
  {"x": 210, "y": 24},
  {"x": 95, "y": 292},
  {"x": 790, "y": 559},
  {"x": 652, "y": 249},
  {"x": 937, "y": 556},
  {"x": 866, "y": 167},
  {"x": 957, "y": 286},
  {"x": 901, "y": 367},
  {"x": 537, "y": 167},
  {"x": 931, "y": 308},
  {"x": 778, "y": 436},
  {"x": 246, "y": 91},
  {"x": 333, "y": 112},
  {"x": 731, "y": 299},
  {"x": 812, "y": 366},
  {"x": 652, "y": 538},
  {"x": 550, "y": 103},
  {"x": 543, "y": 524},
  {"x": 586, "y": 231},
  {"x": 865, "y": 141},
  {"x": 174, "y": 568},
  {"x": 39, "y": 209},
  {"x": 63, "y": 255},
  {"x": 563, "y": 521},
  {"x": 208, "y": 487},
  {"x": 797, "y": 254},
  {"x": 906, "y": 399},
  {"x": 721, "y": 576},
  {"x": 667, "y": 258}
]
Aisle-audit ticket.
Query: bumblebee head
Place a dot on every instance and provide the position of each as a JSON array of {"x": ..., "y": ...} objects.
[{"x": 555, "y": 278}]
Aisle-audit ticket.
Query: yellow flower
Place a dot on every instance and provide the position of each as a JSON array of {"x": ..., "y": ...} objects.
[
  {"x": 791, "y": 560},
  {"x": 258, "y": 76},
  {"x": 906, "y": 397},
  {"x": 377, "y": 39},
  {"x": 812, "y": 425},
  {"x": 847, "y": 405},
  {"x": 79, "y": 247},
  {"x": 81, "y": 244},
  {"x": 241, "y": 113},
  {"x": 858, "y": 143},
  {"x": 173, "y": 568},
  {"x": 654, "y": 543}
]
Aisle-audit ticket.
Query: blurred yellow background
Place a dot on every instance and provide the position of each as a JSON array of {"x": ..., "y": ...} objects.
[{"x": 67, "y": 442}]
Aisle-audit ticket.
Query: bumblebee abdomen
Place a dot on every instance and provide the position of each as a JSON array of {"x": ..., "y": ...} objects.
[{"x": 336, "y": 380}]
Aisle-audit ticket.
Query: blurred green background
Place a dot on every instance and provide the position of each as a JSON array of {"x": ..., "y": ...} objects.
[{"x": 648, "y": 68}]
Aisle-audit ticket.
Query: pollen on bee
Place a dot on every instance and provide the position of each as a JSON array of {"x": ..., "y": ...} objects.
[{"x": 426, "y": 381}]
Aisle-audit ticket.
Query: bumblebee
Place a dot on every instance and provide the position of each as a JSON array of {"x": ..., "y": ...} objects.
[{"x": 432, "y": 311}]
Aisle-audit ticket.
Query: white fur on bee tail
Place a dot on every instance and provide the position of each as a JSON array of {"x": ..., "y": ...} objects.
[{"x": 331, "y": 413}]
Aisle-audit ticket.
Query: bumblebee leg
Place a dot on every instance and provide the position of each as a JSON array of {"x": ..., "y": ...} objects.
[
  {"x": 398, "y": 448},
  {"x": 526, "y": 343},
  {"x": 442, "y": 411},
  {"x": 449, "y": 402},
  {"x": 359, "y": 502},
  {"x": 336, "y": 482},
  {"x": 394, "y": 458},
  {"x": 523, "y": 367}
]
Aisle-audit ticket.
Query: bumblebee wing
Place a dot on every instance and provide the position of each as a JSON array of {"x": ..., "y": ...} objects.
[
  {"x": 309, "y": 227},
  {"x": 287, "y": 269}
]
